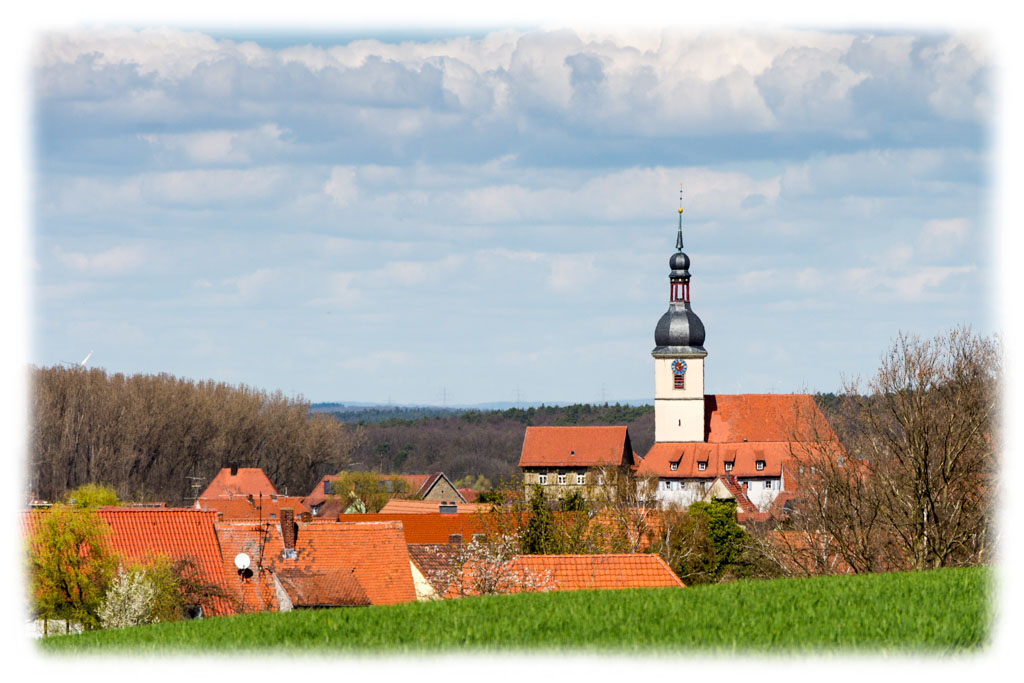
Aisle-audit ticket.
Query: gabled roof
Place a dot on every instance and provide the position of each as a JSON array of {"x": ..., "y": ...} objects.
[
  {"x": 688, "y": 456},
  {"x": 397, "y": 506},
  {"x": 373, "y": 552},
  {"x": 727, "y": 486},
  {"x": 258, "y": 507},
  {"x": 435, "y": 561},
  {"x": 245, "y": 482},
  {"x": 737, "y": 418},
  {"x": 741, "y": 430},
  {"x": 419, "y": 486},
  {"x": 142, "y": 534},
  {"x": 322, "y": 588},
  {"x": 576, "y": 447}
]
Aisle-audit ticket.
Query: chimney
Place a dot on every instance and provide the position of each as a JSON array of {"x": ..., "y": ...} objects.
[
  {"x": 306, "y": 517},
  {"x": 234, "y": 469},
  {"x": 455, "y": 538},
  {"x": 288, "y": 531},
  {"x": 448, "y": 507}
]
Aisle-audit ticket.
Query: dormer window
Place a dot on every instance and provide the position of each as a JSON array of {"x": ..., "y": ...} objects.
[
  {"x": 701, "y": 466},
  {"x": 673, "y": 466},
  {"x": 759, "y": 465},
  {"x": 728, "y": 467}
]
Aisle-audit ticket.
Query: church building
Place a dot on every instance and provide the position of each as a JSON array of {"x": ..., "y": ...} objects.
[{"x": 748, "y": 441}]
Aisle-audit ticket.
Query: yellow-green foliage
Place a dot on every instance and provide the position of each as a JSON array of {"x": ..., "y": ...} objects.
[
  {"x": 369, "y": 488},
  {"x": 69, "y": 565},
  {"x": 91, "y": 496}
]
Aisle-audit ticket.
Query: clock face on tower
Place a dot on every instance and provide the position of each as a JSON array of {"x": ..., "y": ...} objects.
[{"x": 679, "y": 374}]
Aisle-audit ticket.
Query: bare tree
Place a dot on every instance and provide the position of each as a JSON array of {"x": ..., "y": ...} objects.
[{"x": 907, "y": 480}]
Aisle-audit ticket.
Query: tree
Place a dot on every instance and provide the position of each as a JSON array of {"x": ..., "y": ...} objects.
[
  {"x": 91, "y": 496},
  {"x": 626, "y": 505},
  {"x": 128, "y": 601},
  {"x": 367, "y": 488},
  {"x": 907, "y": 479},
  {"x": 488, "y": 567},
  {"x": 69, "y": 565}
]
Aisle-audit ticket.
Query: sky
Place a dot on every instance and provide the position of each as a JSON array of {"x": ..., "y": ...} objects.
[{"x": 487, "y": 214}]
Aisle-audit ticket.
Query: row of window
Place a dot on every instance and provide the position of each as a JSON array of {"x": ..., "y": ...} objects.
[
  {"x": 703, "y": 465},
  {"x": 581, "y": 479},
  {"x": 666, "y": 485}
]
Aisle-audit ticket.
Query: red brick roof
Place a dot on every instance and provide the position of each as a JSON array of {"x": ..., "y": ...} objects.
[
  {"x": 576, "y": 447},
  {"x": 142, "y": 534},
  {"x": 265, "y": 507},
  {"x": 373, "y": 552},
  {"x": 247, "y": 481}
]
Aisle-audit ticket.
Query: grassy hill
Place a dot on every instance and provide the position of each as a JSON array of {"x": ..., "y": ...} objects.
[{"x": 942, "y": 611}]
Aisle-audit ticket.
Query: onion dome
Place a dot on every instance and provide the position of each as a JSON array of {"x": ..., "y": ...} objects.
[{"x": 679, "y": 331}]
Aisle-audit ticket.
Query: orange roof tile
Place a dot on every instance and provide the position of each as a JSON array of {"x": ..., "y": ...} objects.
[
  {"x": 761, "y": 417},
  {"x": 246, "y": 481},
  {"x": 590, "y": 572},
  {"x": 142, "y": 534},
  {"x": 470, "y": 495},
  {"x": 375, "y": 553},
  {"x": 265, "y": 507},
  {"x": 430, "y": 527},
  {"x": 688, "y": 456},
  {"x": 398, "y": 506},
  {"x": 576, "y": 447}
]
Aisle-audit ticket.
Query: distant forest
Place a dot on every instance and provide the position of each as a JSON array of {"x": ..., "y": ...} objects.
[{"x": 162, "y": 438}]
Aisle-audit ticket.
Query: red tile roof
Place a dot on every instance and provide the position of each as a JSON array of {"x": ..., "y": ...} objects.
[
  {"x": 142, "y": 534},
  {"x": 436, "y": 562},
  {"x": 247, "y": 481},
  {"x": 470, "y": 495},
  {"x": 588, "y": 572},
  {"x": 742, "y": 430},
  {"x": 430, "y": 527},
  {"x": 419, "y": 485},
  {"x": 322, "y": 588},
  {"x": 265, "y": 507},
  {"x": 398, "y": 506},
  {"x": 374, "y": 553},
  {"x": 576, "y": 447}
]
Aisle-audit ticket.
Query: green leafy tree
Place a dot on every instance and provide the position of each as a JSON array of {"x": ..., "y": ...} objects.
[
  {"x": 705, "y": 544},
  {"x": 368, "y": 488},
  {"x": 539, "y": 536},
  {"x": 91, "y": 496},
  {"x": 70, "y": 565}
]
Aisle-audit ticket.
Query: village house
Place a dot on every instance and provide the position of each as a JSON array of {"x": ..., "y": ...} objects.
[
  {"x": 429, "y": 487},
  {"x": 566, "y": 459}
]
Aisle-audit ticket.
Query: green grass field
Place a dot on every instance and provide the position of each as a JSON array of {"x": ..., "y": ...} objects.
[{"x": 942, "y": 611}]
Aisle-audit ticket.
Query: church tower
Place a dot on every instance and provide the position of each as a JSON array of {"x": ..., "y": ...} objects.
[{"x": 679, "y": 358}]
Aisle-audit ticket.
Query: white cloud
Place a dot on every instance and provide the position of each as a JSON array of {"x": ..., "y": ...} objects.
[
  {"x": 253, "y": 283},
  {"x": 221, "y": 146},
  {"x": 341, "y": 186},
  {"x": 212, "y": 186},
  {"x": 115, "y": 261},
  {"x": 952, "y": 230}
]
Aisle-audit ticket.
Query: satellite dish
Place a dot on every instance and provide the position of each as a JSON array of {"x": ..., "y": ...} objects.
[{"x": 241, "y": 561}]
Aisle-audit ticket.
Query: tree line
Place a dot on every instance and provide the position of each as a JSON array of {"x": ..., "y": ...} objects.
[{"x": 158, "y": 437}]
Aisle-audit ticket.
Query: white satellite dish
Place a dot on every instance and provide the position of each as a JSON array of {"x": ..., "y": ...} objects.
[{"x": 241, "y": 561}]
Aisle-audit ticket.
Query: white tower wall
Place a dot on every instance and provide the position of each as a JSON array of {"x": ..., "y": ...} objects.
[{"x": 678, "y": 413}]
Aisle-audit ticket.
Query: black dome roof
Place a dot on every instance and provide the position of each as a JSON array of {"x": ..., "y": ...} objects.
[{"x": 679, "y": 331}]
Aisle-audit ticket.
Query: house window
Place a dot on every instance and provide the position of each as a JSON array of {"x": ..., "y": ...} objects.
[
  {"x": 561, "y": 478},
  {"x": 581, "y": 479},
  {"x": 728, "y": 467},
  {"x": 600, "y": 480},
  {"x": 675, "y": 486},
  {"x": 759, "y": 465},
  {"x": 542, "y": 479},
  {"x": 702, "y": 466},
  {"x": 673, "y": 466}
]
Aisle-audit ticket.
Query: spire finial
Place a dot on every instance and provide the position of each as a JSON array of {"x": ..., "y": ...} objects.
[{"x": 679, "y": 236}]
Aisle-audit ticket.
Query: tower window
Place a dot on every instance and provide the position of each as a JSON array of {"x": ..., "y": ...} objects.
[
  {"x": 679, "y": 374},
  {"x": 679, "y": 381}
]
